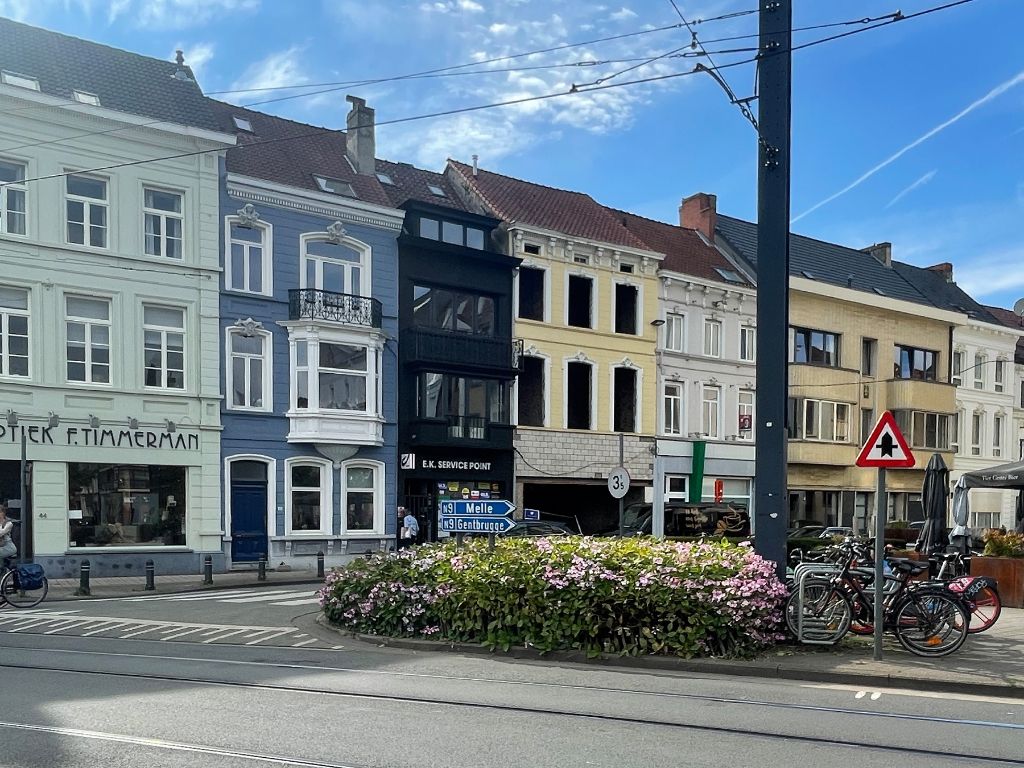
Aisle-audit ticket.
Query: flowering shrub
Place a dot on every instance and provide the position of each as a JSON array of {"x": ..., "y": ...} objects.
[
  {"x": 629, "y": 596},
  {"x": 999, "y": 544}
]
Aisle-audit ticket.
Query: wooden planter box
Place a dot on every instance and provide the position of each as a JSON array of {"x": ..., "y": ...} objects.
[{"x": 1009, "y": 575}]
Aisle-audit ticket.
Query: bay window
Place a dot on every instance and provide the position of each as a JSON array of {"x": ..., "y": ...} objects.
[
  {"x": 819, "y": 420},
  {"x": 335, "y": 374}
]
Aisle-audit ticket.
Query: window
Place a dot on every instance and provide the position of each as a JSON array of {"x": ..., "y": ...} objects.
[
  {"x": 997, "y": 436},
  {"x": 309, "y": 497},
  {"x": 335, "y": 186},
  {"x": 958, "y": 368},
  {"x": 913, "y": 363},
  {"x": 13, "y": 332},
  {"x": 123, "y": 505},
  {"x": 86, "y": 198},
  {"x": 675, "y": 333},
  {"x": 748, "y": 343},
  {"x": 531, "y": 392},
  {"x": 435, "y": 190},
  {"x": 248, "y": 371},
  {"x": 627, "y": 308},
  {"x": 979, "y": 371},
  {"x": 976, "y": 427},
  {"x": 580, "y": 259},
  {"x": 531, "y": 293},
  {"x": 84, "y": 97},
  {"x": 467, "y": 405},
  {"x": 430, "y": 228},
  {"x": 824, "y": 421},
  {"x": 361, "y": 501},
  {"x": 627, "y": 268},
  {"x": 248, "y": 259},
  {"x": 713, "y": 338},
  {"x": 578, "y": 395},
  {"x": 745, "y": 414},
  {"x": 954, "y": 431},
  {"x": 867, "y": 423},
  {"x": 343, "y": 377},
  {"x": 21, "y": 81},
  {"x": 624, "y": 397},
  {"x": 13, "y": 217},
  {"x": 88, "y": 339},
  {"x": 868, "y": 356},
  {"x": 711, "y": 411},
  {"x": 334, "y": 267},
  {"x": 164, "y": 346},
  {"x": 729, "y": 275},
  {"x": 163, "y": 217},
  {"x": 1022, "y": 394},
  {"x": 383, "y": 178},
  {"x": 930, "y": 430},
  {"x": 999, "y": 375},
  {"x": 675, "y": 488},
  {"x": 453, "y": 311},
  {"x": 673, "y": 403},
  {"x": 242, "y": 123},
  {"x": 815, "y": 347},
  {"x": 580, "y": 299},
  {"x": 532, "y": 248}
]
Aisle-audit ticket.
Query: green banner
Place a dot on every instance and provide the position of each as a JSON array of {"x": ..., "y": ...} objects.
[{"x": 696, "y": 493}]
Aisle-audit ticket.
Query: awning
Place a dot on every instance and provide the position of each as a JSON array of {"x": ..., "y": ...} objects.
[{"x": 1003, "y": 476}]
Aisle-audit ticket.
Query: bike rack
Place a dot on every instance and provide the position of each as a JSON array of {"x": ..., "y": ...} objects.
[{"x": 801, "y": 574}]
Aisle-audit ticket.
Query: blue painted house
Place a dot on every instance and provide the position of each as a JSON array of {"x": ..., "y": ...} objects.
[{"x": 308, "y": 317}]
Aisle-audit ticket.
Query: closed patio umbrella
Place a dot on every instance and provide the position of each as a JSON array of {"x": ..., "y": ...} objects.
[{"x": 934, "y": 496}]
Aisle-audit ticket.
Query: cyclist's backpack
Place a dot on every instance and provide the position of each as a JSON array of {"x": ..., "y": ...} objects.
[{"x": 30, "y": 576}]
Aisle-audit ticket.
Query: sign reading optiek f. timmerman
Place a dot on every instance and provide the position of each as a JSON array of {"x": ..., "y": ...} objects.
[{"x": 90, "y": 437}]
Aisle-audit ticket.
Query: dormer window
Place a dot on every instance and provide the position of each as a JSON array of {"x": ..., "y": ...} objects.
[
  {"x": 242, "y": 123},
  {"x": 383, "y": 178},
  {"x": 84, "y": 97},
  {"x": 436, "y": 190},
  {"x": 729, "y": 275},
  {"x": 334, "y": 186},
  {"x": 21, "y": 81}
]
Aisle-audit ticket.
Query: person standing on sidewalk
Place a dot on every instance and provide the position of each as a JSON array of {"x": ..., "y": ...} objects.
[
  {"x": 410, "y": 530},
  {"x": 7, "y": 548}
]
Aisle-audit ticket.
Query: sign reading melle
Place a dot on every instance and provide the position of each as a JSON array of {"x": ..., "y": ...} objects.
[{"x": 88, "y": 437}]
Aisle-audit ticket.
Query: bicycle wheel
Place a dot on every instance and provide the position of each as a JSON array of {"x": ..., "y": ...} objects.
[
  {"x": 826, "y": 613},
  {"x": 11, "y": 593},
  {"x": 985, "y": 609},
  {"x": 931, "y": 624}
]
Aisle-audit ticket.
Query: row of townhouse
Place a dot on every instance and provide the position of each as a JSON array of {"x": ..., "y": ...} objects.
[{"x": 227, "y": 334}]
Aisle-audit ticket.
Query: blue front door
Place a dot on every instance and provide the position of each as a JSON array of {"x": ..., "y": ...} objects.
[{"x": 248, "y": 511}]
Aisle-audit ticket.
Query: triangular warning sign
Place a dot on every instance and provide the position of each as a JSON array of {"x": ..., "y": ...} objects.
[{"x": 886, "y": 447}]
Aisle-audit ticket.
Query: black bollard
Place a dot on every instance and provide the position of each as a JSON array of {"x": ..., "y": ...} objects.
[
  {"x": 262, "y": 569},
  {"x": 208, "y": 570},
  {"x": 83, "y": 580},
  {"x": 150, "y": 576},
  {"x": 320, "y": 564}
]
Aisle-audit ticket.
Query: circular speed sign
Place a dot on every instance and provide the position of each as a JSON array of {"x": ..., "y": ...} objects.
[{"x": 618, "y": 482}]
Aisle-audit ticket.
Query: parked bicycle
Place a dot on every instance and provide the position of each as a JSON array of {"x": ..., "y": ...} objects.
[
  {"x": 22, "y": 586},
  {"x": 979, "y": 593}
]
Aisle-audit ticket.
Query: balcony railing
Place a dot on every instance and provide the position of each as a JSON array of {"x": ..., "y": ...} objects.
[
  {"x": 462, "y": 349},
  {"x": 315, "y": 304},
  {"x": 461, "y": 430}
]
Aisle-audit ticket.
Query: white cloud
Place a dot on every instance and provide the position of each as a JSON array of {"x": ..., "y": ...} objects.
[
  {"x": 500, "y": 28},
  {"x": 911, "y": 187},
  {"x": 623, "y": 14},
  {"x": 176, "y": 14},
  {"x": 276, "y": 70},
  {"x": 452, "y": 6},
  {"x": 471, "y": 6},
  {"x": 19, "y": 10},
  {"x": 995, "y": 273},
  {"x": 196, "y": 56}
]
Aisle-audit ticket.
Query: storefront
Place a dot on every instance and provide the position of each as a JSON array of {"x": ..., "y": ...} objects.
[{"x": 116, "y": 496}]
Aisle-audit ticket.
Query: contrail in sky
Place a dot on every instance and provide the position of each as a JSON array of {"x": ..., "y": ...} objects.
[
  {"x": 995, "y": 93},
  {"x": 919, "y": 183}
]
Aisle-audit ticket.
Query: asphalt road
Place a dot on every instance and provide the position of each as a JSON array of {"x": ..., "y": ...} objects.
[{"x": 72, "y": 699}]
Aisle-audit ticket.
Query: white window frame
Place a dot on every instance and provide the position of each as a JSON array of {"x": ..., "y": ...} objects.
[
  {"x": 266, "y": 245},
  {"x": 999, "y": 375},
  {"x": 748, "y": 343},
  {"x": 677, "y": 403},
  {"x": 980, "y": 361},
  {"x": 955, "y": 425},
  {"x": 164, "y": 330},
  {"x": 326, "y": 496},
  {"x": 674, "y": 340},
  {"x": 379, "y": 515},
  {"x": 5, "y": 190},
  {"x": 163, "y": 217},
  {"x": 546, "y": 293},
  {"x": 977, "y": 432},
  {"x": 957, "y": 374},
  {"x": 638, "y": 318},
  {"x": 271, "y": 510},
  {"x": 744, "y": 409},
  {"x": 268, "y": 377},
  {"x": 822, "y": 405},
  {"x": 374, "y": 362},
  {"x": 89, "y": 324},
  {"x": 365, "y": 262},
  {"x": 594, "y": 304},
  {"x": 712, "y": 344},
  {"x": 677, "y": 496},
  {"x": 998, "y": 422},
  {"x": 706, "y": 412},
  {"x": 88, "y": 203},
  {"x": 5, "y": 323}
]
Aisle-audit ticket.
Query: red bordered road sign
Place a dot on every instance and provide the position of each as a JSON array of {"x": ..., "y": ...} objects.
[{"x": 886, "y": 447}]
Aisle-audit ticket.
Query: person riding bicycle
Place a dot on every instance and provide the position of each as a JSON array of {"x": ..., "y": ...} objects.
[{"x": 7, "y": 549}]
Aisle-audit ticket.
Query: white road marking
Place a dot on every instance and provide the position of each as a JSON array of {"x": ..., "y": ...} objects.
[
  {"x": 218, "y": 638},
  {"x": 137, "y": 633},
  {"x": 268, "y": 596},
  {"x": 104, "y": 629},
  {"x": 182, "y": 634},
  {"x": 861, "y": 694},
  {"x": 180, "y": 596},
  {"x": 304, "y": 642},
  {"x": 269, "y": 637},
  {"x": 63, "y": 626},
  {"x": 306, "y": 601},
  {"x": 31, "y": 624},
  {"x": 876, "y": 696}
]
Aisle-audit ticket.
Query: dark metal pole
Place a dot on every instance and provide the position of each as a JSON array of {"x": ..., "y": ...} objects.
[
  {"x": 208, "y": 569},
  {"x": 261, "y": 566},
  {"x": 622, "y": 518},
  {"x": 83, "y": 580},
  {"x": 880, "y": 514},
  {"x": 23, "y": 514},
  {"x": 150, "y": 576},
  {"x": 320, "y": 564},
  {"x": 771, "y": 510}
]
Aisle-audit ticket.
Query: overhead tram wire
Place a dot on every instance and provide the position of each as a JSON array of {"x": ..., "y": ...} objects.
[{"x": 510, "y": 102}]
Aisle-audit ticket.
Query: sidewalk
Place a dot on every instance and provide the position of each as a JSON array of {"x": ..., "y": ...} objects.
[{"x": 134, "y": 586}]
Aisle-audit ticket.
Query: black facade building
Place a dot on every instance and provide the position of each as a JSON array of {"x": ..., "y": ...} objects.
[{"x": 456, "y": 355}]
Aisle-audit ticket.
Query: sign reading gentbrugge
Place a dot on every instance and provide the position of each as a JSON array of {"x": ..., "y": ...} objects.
[{"x": 89, "y": 437}]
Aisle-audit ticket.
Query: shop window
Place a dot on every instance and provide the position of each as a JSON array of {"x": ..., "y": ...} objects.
[
  {"x": 580, "y": 302},
  {"x": 361, "y": 498},
  {"x": 531, "y": 392},
  {"x": 578, "y": 395},
  {"x": 14, "y": 315},
  {"x": 624, "y": 400},
  {"x": 531, "y": 293},
  {"x": 308, "y": 497},
  {"x": 626, "y": 308},
  {"x": 676, "y": 488},
  {"x": 126, "y": 505}
]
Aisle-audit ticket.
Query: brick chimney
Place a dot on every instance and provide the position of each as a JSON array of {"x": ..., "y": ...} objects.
[
  {"x": 882, "y": 253},
  {"x": 360, "y": 144},
  {"x": 699, "y": 212},
  {"x": 945, "y": 269}
]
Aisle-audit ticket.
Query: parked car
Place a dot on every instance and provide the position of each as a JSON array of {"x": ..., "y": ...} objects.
[
  {"x": 685, "y": 519},
  {"x": 539, "y": 528},
  {"x": 806, "y": 532},
  {"x": 835, "y": 530}
]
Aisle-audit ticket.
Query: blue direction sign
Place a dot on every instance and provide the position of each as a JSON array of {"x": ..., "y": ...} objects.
[
  {"x": 476, "y": 524},
  {"x": 487, "y": 508}
]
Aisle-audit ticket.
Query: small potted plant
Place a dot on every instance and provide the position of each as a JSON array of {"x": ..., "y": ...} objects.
[{"x": 1003, "y": 560}]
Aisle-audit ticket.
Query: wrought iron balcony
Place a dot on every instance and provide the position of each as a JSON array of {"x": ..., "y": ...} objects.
[
  {"x": 344, "y": 308},
  {"x": 462, "y": 350}
]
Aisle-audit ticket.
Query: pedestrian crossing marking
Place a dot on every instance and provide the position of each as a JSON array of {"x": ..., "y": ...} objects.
[{"x": 281, "y": 597}]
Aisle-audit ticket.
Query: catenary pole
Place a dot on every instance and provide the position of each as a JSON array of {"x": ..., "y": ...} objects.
[{"x": 771, "y": 510}]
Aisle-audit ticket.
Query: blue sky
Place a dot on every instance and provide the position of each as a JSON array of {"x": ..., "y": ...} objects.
[{"x": 922, "y": 120}]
